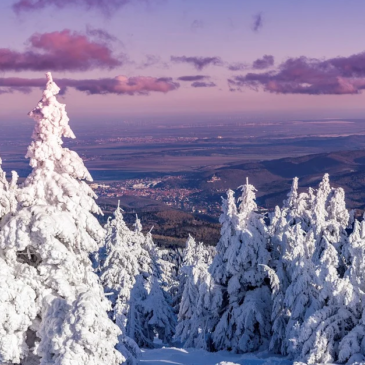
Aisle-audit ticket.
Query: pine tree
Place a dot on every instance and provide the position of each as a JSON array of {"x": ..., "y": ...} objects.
[
  {"x": 323, "y": 330},
  {"x": 158, "y": 303},
  {"x": 118, "y": 271},
  {"x": 8, "y": 191},
  {"x": 171, "y": 262},
  {"x": 229, "y": 222},
  {"x": 46, "y": 246},
  {"x": 218, "y": 270},
  {"x": 133, "y": 277},
  {"x": 302, "y": 295},
  {"x": 186, "y": 261},
  {"x": 311, "y": 303},
  {"x": 352, "y": 346},
  {"x": 192, "y": 327},
  {"x": 245, "y": 319},
  {"x": 282, "y": 240}
]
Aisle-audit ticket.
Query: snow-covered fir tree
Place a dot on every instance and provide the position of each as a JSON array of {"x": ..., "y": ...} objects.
[
  {"x": 44, "y": 249},
  {"x": 8, "y": 191},
  {"x": 352, "y": 346},
  {"x": 286, "y": 229},
  {"x": 119, "y": 267},
  {"x": 194, "y": 315},
  {"x": 302, "y": 295},
  {"x": 133, "y": 278},
  {"x": 322, "y": 331},
  {"x": 171, "y": 262},
  {"x": 309, "y": 242},
  {"x": 244, "y": 323},
  {"x": 229, "y": 223},
  {"x": 158, "y": 304},
  {"x": 186, "y": 261}
]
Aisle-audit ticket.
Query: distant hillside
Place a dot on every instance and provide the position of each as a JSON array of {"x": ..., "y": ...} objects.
[{"x": 271, "y": 178}]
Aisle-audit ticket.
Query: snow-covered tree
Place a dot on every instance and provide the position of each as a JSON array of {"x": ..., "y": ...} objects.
[
  {"x": 132, "y": 277},
  {"x": 282, "y": 242},
  {"x": 245, "y": 308},
  {"x": 158, "y": 304},
  {"x": 309, "y": 239},
  {"x": 8, "y": 192},
  {"x": 150, "y": 315},
  {"x": 171, "y": 259},
  {"x": 302, "y": 295},
  {"x": 320, "y": 333},
  {"x": 45, "y": 248},
  {"x": 229, "y": 222},
  {"x": 187, "y": 260},
  {"x": 194, "y": 314},
  {"x": 119, "y": 268},
  {"x": 352, "y": 346}
]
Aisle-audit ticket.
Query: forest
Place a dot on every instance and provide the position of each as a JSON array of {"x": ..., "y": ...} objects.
[{"x": 290, "y": 282}]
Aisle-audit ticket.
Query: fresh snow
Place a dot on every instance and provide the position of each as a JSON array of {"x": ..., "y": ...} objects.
[
  {"x": 190, "y": 356},
  {"x": 289, "y": 283}
]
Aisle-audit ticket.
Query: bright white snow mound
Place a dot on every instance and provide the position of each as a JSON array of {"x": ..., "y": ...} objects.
[{"x": 178, "y": 356}]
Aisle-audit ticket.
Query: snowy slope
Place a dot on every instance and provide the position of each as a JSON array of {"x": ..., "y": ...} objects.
[{"x": 177, "y": 356}]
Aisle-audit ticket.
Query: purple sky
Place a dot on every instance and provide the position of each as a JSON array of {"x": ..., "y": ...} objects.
[{"x": 120, "y": 58}]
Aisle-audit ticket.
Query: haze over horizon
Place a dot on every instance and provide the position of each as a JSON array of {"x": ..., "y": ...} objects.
[{"x": 184, "y": 59}]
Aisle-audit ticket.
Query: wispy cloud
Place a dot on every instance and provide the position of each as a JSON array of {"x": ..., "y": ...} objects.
[
  {"x": 237, "y": 66},
  {"x": 152, "y": 61},
  {"x": 203, "y": 84},
  {"x": 258, "y": 22},
  {"x": 196, "y": 25},
  {"x": 101, "y": 34},
  {"x": 193, "y": 78},
  {"x": 303, "y": 75},
  {"x": 107, "y": 7},
  {"x": 59, "y": 51},
  {"x": 140, "y": 85},
  {"x": 198, "y": 62}
]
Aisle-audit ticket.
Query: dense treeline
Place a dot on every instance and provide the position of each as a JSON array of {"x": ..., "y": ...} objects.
[{"x": 312, "y": 252}]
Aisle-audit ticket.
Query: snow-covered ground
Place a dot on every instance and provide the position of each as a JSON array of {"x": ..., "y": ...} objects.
[{"x": 177, "y": 356}]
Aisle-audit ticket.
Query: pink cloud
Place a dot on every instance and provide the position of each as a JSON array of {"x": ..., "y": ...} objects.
[
  {"x": 140, "y": 85},
  {"x": 59, "y": 51}
]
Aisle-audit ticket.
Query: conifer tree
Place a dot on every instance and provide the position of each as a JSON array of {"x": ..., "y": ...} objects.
[
  {"x": 8, "y": 191},
  {"x": 309, "y": 238},
  {"x": 302, "y": 295},
  {"x": 323, "y": 330},
  {"x": 352, "y": 346},
  {"x": 186, "y": 261},
  {"x": 194, "y": 313},
  {"x": 229, "y": 222},
  {"x": 118, "y": 272},
  {"x": 158, "y": 303},
  {"x": 280, "y": 231},
  {"x": 245, "y": 319},
  {"x": 143, "y": 309},
  {"x": 46, "y": 246}
]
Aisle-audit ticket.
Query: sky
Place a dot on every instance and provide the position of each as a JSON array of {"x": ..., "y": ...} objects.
[{"x": 117, "y": 59}]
